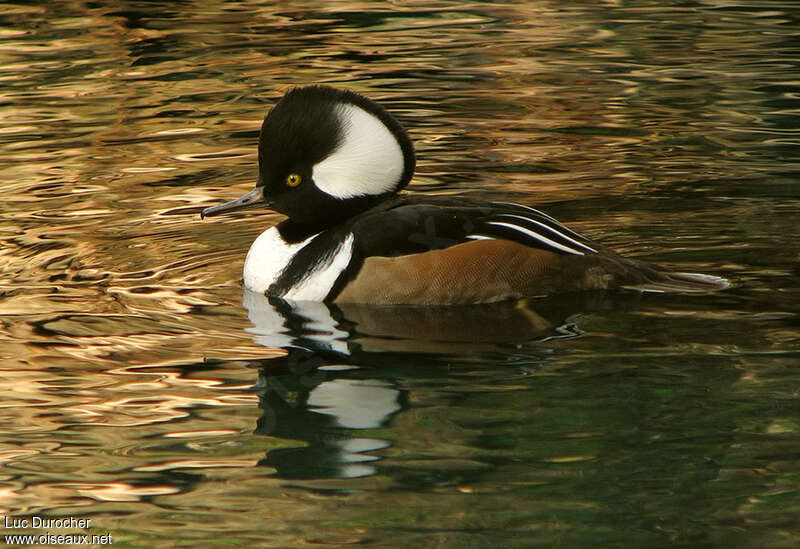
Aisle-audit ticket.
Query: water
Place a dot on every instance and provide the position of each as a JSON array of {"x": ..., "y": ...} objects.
[{"x": 142, "y": 391}]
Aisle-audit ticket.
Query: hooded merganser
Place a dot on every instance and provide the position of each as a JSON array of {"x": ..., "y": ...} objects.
[{"x": 333, "y": 161}]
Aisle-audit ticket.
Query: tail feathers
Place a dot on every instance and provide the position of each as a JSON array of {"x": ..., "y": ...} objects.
[{"x": 686, "y": 283}]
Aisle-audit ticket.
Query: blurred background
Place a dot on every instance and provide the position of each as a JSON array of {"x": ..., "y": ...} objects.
[{"x": 140, "y": 389}]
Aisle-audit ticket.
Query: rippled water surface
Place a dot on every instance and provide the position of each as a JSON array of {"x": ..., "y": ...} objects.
[{"x": 141, "y": 390}]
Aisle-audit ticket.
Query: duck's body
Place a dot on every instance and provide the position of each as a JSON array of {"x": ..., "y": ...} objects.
[{"x": 333, "y": 162}]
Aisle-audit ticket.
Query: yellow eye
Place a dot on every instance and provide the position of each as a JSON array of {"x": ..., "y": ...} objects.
[{"x": 293, "y": 180}]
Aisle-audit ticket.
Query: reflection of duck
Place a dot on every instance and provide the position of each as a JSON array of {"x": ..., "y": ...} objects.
[
  {"x": 327, "y": 387},
  {"x": 323, "y": 411},
  {"x": 336, "y": 377},
  {"x": 333, "y": 162},
  {"x": 347, "y": 330}
]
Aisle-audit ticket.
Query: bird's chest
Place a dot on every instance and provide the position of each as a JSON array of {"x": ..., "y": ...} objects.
[{"x": 276, "y": 267}]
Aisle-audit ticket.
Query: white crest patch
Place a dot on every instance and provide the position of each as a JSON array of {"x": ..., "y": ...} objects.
[
  {"x": 270, "y": 254},
  {"x": 369, "y": 160}
]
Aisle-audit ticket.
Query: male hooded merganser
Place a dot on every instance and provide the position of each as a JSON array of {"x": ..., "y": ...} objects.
[{"x": 333, "y": 161}]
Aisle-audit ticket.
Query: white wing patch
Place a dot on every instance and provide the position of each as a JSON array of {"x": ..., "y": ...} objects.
[{"x": 368, "y": 161}]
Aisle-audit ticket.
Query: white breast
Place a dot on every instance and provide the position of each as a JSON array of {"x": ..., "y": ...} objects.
[{"x": 269, "y": 256}]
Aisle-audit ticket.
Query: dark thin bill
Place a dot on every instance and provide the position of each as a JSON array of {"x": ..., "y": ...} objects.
[{"x": 249, "y": 200}]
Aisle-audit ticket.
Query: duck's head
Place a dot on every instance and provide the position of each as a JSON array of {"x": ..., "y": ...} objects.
[{"x": 326, "y": 154}]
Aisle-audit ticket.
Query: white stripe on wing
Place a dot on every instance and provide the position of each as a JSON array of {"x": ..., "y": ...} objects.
[
  {"x": 556, "y": 230},
  {"x": 536, "y": 236}
]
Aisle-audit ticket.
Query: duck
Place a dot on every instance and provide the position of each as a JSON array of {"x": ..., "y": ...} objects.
[{"x": 334, "y": 162}]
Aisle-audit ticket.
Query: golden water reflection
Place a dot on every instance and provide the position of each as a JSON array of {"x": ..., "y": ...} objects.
[{"x": 137, "y": 388}]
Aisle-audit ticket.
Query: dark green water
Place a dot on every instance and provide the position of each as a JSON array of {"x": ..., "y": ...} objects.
[{"x": 138, "y": 389}]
